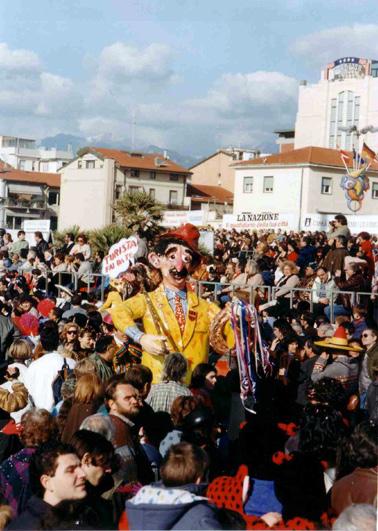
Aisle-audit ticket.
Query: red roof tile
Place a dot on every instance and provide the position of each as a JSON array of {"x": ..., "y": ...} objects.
[
  {"x": 8, "y": 173},
  {"x": 204, "y": 192},
  {"x": 143, "y": 161},
  {"x": 307, "y": 155}
]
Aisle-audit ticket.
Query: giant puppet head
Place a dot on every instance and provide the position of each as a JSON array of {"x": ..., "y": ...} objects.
[{"x": 176, "y": 255}]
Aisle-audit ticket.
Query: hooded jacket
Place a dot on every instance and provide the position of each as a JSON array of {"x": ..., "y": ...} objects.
[{"x": 159, "y": 507}]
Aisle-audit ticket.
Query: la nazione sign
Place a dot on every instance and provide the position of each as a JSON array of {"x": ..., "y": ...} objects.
[{"x": 120, "y": 256}]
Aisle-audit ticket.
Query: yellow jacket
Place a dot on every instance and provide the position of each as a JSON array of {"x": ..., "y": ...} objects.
[
  {"x": 193, "y": 344},
  {"x": 113, "y": 299}
]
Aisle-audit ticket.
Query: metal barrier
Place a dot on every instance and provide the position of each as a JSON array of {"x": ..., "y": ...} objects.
[{"x": 269, "y": 293}]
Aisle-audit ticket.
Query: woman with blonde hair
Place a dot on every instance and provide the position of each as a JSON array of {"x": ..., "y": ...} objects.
[
  {"x": 21, "y": 352},
  {"x": 69, "y": 338},
  {"x": 290, "y": 279},
  {"x": 88, "y": 396}
]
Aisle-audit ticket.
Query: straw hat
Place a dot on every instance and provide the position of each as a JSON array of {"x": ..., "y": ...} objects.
[{"x": 338, "y": 341}]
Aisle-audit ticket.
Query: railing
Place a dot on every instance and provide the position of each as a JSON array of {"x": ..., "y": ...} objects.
[{"x": 216, "y": 289}]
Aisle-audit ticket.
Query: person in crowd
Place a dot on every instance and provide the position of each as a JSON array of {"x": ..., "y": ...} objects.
[
  {"x": 282, "y": 292},
  {"x": 75, "y": 308},
  {"x": 103, "y": 357},
  {"x": 162, "y": 395},
  {"x": 20, "y": 244},
  {"x": 175, "y": 504},
  {"x": 83, "y": 270},
  {"x": 88, "y": 397},
  {"x": 55, "y": 476},
  {"x": 204, "y": 378},
  {"x": 98, "y": 462},
  {"x": 81, "y": 247},
  {"x": 338, "y": 227},
  {"x": 369, "y": 340},
  {"x": 37, "y": 427},
  {"x": 41, "y": 245},
  {"x": 123, "y": 404},
  {"x": 69, "y": 341},
  {"x": 357, "y": 472},
  {"x": 69, "y": 242},
  {"x": 334, "y": 261},
  {"x": 46, "y": 368},
  {"x": 336, "y": 362}
]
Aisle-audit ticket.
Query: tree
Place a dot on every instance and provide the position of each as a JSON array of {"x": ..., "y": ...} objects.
[
  {"x": 103, "y": 239},
  {"x": 139, "y": 213}
]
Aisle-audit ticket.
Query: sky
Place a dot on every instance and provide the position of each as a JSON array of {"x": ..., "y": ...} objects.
[{"x": 188, "y": 75}]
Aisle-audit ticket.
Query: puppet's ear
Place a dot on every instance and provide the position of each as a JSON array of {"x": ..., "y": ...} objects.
[{"x": 154, "y": 259}]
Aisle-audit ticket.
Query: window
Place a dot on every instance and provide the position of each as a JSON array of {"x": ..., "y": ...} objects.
[
  {"x": 89, "y": 164},
  {"x": 374, "y": 190},
  {"x": 53, "y": 198},
  {"x": 118, "y": 191},
  {"x": 173, "y": 197},
  {"x": 79, "y": 164},
  {"x": 327, "y": 185},
  {"x": 151, "y": 193},
  {"x": 173, "y": 177},
  {"x": 134, "y": 173},
  {"x": 153, "y": 175},
  {"x": 22, "y": 164},
  {"x": 268, "y": 184},
  {"x": 248, "y": 185},
  {"x": 344, "y": 112},
  {"x": 44, "y": 166}
]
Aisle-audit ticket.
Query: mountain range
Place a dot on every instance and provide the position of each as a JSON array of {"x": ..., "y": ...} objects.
[{"x": 63, "y": 140}]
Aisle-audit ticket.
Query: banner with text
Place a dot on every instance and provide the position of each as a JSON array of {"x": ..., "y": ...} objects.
[
  {"x": 356, "y": 223},
  {"x": 175, "y": 218},
  {"x": 120, "y": 257},
  {"x": 261, "y": 221}
]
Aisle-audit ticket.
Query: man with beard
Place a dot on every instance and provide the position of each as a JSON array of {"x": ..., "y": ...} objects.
[{"x": 174, "y": 318}]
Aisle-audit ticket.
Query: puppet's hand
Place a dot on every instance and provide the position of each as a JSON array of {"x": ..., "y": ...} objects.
[{"x": 155, "y": 345}]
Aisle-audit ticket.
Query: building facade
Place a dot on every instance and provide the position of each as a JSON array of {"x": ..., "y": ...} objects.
[
  {"x": 24, "y": 154},
  {"x": 345, "y": 97},
  {"x": 92, "y": 182},
  {"x": 27, "y": 195},
  {"x": 286, "y": 189},
  {"x": 218, "y": 169}
]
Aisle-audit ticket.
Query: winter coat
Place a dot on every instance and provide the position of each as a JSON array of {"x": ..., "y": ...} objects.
[
  {"x": 14, "y": 479},
  {"x": 306, "y": 255},
  {"x": 30, "y": 519},
  {"x": 334, "y": 260},
  {"x": 158, "y": 507}
]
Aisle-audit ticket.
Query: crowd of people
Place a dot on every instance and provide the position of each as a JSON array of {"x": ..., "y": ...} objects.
[{"x": 94, "y": 434}]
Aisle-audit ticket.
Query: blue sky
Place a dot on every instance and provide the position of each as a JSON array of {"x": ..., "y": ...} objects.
[{"x": 196, "y": 74}]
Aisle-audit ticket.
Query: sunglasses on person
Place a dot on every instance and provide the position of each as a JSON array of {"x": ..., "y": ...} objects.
[{"x": 71, "y": 332}]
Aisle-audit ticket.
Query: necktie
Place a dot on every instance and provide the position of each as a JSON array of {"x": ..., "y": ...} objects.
[{"x": 179, "y": 313}]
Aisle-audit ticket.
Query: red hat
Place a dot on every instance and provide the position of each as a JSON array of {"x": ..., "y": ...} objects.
[
  {"x": 45, "y": 306},
  {"x": 187, "y": 233}
]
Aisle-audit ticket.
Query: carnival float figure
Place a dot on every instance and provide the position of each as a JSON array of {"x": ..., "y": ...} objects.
[
  {"x": 356, "y": 182},
  {"x": 174, "y": 318}
]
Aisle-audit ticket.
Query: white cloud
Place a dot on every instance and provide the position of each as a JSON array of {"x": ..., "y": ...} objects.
[
  {"x": 21, "y": 61},
  {"x": 320, "y": 48},
  {"x": 121, "y": 62}
]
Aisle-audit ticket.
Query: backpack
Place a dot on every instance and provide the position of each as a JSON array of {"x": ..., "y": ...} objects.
[{"x": 63, "y": 374}]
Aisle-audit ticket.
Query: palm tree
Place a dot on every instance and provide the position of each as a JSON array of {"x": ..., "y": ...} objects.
[
  {"x": 139, "y": 213},
  {"x": 102, "y": 239}
]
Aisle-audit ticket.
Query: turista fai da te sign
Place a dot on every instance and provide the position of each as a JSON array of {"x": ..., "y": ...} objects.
[{"x": 120, "y": 256}]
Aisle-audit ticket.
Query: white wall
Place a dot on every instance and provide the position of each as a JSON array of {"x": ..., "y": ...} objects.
[
  {"x": 86, "y": 195},
  {"x": 314, "y": 102},
  {"x": 285, "y": 197}
]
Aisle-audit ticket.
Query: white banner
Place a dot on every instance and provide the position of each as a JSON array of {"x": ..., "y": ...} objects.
[
  {"x": 175, "y": 218},
  {"x": 356, "y": 222},
  {"x": 207, "y": 240},
  {"x": 120, "y": 256},
  {"x": 261, "y": 221}
]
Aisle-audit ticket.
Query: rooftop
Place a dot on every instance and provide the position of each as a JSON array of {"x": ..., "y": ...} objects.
[
  {"x": 311, "y": 155},
  {"x": 203, "y": 193},
  {"x": 141, "y": 161},
  {"x": 8, "y": 173}
]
